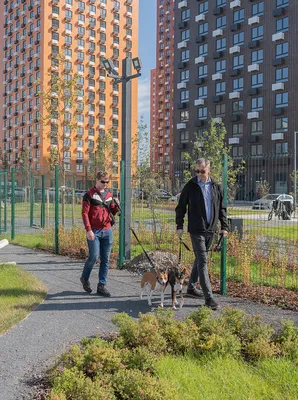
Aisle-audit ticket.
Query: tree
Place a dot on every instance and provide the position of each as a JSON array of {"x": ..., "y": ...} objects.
[
  {"x": 24, "y": 166},
  {"x": 61, "y": 104},
  {"x": 212, "y": 145}
]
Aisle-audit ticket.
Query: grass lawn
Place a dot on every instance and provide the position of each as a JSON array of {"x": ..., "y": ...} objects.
[
  {"x": 20, "y": 293},
  {"x": 230, "y": 379},
  {"x": 41, "y": 240},
  {"x": 282, "y": 232}
]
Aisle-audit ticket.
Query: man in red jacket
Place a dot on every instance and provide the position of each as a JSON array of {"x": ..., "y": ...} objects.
[{"x": 98, "y": 209}]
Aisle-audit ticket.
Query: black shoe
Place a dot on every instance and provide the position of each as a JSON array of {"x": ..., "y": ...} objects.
[
  {"x": 195, "y": 293},
  {"x": 102, "y": 291},
  {"x": 212, "y": 304},
  {"x": 86, "y": 285}
]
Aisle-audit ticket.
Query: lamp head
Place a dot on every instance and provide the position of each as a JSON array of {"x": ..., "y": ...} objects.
[
  {"x": 137, "y": 64},
  {"x": 108, "y": 65}
]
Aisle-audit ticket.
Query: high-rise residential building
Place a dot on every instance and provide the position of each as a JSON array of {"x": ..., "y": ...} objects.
[
  {"x": 35, "y": 36},
  {"x": 237, "y": 62},
  {"x": 161, "y": 115}
]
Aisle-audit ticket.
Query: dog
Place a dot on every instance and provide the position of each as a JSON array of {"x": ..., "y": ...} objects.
[
  {"x": 154, "y": 282},
  {"x": 176, "y": 280}
]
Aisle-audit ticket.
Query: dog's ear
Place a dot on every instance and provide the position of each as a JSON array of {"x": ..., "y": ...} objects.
[{"x": 184, "y": 271}]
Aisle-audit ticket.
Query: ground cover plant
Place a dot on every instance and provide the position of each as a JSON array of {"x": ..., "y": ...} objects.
[
  {"x": 232, "y": 356},
  {"x": 20, "y": 293}
]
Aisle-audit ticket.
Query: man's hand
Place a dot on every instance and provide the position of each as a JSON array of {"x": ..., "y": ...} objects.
[
  {"x": 90, "y": 235},
  {"x": 223, "y": 233},
  {"x": 117, "y": 201},
  {"x": 179, "y": 233}
]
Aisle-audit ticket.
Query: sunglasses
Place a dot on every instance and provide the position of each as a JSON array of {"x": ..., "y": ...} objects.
[
  {"x": 201, "y": 171},
  {"x": 104, "y": 182}
]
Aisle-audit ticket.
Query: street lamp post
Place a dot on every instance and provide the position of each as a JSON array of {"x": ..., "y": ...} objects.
[
  {"x": 125, "y": 185},
  {"x": 295, "y": 172}
]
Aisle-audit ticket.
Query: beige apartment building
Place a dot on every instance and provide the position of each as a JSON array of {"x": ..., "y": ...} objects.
[{"x": 35, "y": 35}]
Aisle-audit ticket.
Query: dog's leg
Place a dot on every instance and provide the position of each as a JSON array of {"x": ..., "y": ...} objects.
[
  {"x": 150, "y": 296},
  {"x": 181, "y": 299},
  {"x": 173, "y": 298},
  {"x": 162, "y": 295}
]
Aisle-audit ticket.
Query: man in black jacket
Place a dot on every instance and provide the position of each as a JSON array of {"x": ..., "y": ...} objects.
[{"x": 202, "y": 199}]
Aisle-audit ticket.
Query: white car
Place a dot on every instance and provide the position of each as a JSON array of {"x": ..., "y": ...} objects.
[{"x": 265, "y": 203}]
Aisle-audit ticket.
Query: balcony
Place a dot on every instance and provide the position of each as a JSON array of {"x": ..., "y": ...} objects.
[
  {"x": 253, "y": 115},
  {"x": 253, "y": 68},
  {"x": 200, "y": 17},
  {"x": 217, "y": 32},
  {"x": 182, "y": 4},
  {"x": 234, "y": 95},
  {"x": 235, "y": 4},
  {"x": 234, "y": 49},
  {"x": 277, "y": 136},
  {"x": 254, "y": 20},
  {"x": 181, "y": 85},
  {"x": 235, "y": 140},
  {"x": 278, "y": 86},
  {"x": 217, "y": 77},
  {"x": 182, "y": 125},
  {"x": 278, "y": 36},
  {"x": 182, "y": 45},
  {"x": 199, "y": 60}
]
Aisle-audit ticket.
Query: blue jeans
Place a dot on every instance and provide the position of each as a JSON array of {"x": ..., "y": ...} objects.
[
  {"x": 200, "y": 244},
  {"x": 101, "y": 248}
]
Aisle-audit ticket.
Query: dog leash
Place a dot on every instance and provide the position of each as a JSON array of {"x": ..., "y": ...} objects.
[
  {"x": 145, "y": 252},
  {"x": 181, "y": 243}
]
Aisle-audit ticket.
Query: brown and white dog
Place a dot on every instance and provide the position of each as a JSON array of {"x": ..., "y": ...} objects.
[
  {"x": 176, "y": 280},
  {"x": 154, "y": 282}
]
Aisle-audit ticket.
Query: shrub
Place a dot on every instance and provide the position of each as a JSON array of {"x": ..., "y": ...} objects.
[
  {"x": 139, "y": 358},
  {"x": 132, "y": 384},
  {"x": 287, "y": 340},
  {"x": 201, "y": 316}
]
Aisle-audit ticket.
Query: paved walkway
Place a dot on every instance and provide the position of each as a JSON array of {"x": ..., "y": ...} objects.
[{"x": 68, "y": 314}]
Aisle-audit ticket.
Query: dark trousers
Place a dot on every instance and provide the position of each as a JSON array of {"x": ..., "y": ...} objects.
[{"x": 200, "y": 244}]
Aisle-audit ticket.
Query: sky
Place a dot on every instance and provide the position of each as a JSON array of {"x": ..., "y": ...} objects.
[{"x": 147, "y": 43}]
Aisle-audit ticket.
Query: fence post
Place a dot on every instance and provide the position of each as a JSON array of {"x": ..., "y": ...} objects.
[
  {"x": 56, "y": 209},
  {"x": 5, "y": 202},
  {"x": 122, "y": 221},
  {"x": 223, "y": 258},
  {"x": 12, "y": 204},
  {"x": 31, "y": 200},
  {"x": 43, "y": 202},
  {"x": 73, "y": 199}
]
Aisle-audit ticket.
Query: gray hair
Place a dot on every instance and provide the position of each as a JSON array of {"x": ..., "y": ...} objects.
[{"x": 203, "y": 161}]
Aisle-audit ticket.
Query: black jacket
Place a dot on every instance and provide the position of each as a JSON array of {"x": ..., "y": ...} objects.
[{"x": 192, "y": 201}]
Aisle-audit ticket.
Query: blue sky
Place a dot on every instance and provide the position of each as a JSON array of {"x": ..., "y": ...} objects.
[{"x": 147, "y": 43}]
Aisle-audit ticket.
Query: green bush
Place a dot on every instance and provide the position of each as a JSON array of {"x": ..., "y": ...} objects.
[
  {"x": 287, "y": 340},
  {"x": 139, "y": 358},
  {"x": 136, "y": 385}
]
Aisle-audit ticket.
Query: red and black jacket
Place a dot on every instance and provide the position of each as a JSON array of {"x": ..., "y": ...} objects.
[{"x": 96, "y": 209}]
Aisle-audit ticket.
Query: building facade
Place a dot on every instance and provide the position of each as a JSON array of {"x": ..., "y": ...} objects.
[
  {"x": 162, "y": 81},
  {"x": 36, "y": 35},
  {"x": 236, "y": 61}
]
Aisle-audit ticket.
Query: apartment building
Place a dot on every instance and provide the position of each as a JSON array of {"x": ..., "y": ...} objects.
[
  {"x": 162, "y": 81},
  {"x": 237, "y": 62},
  {"x": 35, "y": 34}
]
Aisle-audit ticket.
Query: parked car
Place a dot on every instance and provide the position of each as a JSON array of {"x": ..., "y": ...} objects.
[
  {"x": 160, "y": 194},
  {"x": 175, "y": 198},
  {"x": 265, "y": 203}
]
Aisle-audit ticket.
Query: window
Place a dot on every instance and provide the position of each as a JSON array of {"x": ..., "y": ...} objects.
[
  {"x": 184, "y": 96},
  {"x": 281, "y": 100},
  {"x": 202, "y": 92},
  {"x": 238, "y": 84},
  {"x": 220, "y": 88},
  {"x": 203, "y": 50},
  {"x": 256, "y": 127},
  {"x": 184, "y": 136},
  {"x": 257, "y": 80},
  {"x": 257, "y": 32},
  {"x": 185, "y": 15},
  {"x": 221, "y": 44},
  {"x": 257, "y": 9},
  {"x": 221, "y": 22},
  {"x": 238, "y": 61},
  {"x": 202, "y": 113},
  {"x": 257, "y": 56},
  {"x": 238, "y": 38},
  {"x": 185, "y": 55},
  {"x": 237, "y": 151},
  {"x": 282, "y": 24},
  {"x": 184, "y": 76},
  {"x": 282, "y": 50},
  {"x": 281, "y": 124},
  {"x": 282, "y": 74},
  {"x": 282, "y": 3},
  {"x": 184, "y": 115},
  {"x": 221, "y": 3},
  {"x": 256, "y": 150},
  {"x": 220, "y": 66},
  {"x": 237, "y": 107},
  {"x": 185, "y": 34},
  {"x": 257, "y": 103},
  {"x": 238, "y": 16},
  {"x": 237, "y": 129},
  {"x": 281, "y": 148},
  {"x": 220, "y": 110},
  {"x": 203, "y": 7},
  {"x": 203, "y": 29},
  {"x": 203, "y": 71}
]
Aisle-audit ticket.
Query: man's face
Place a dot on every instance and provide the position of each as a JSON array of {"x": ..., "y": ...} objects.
[
  {"x": 203, "y": 172},
  {"x": 102, "y": 183}
]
